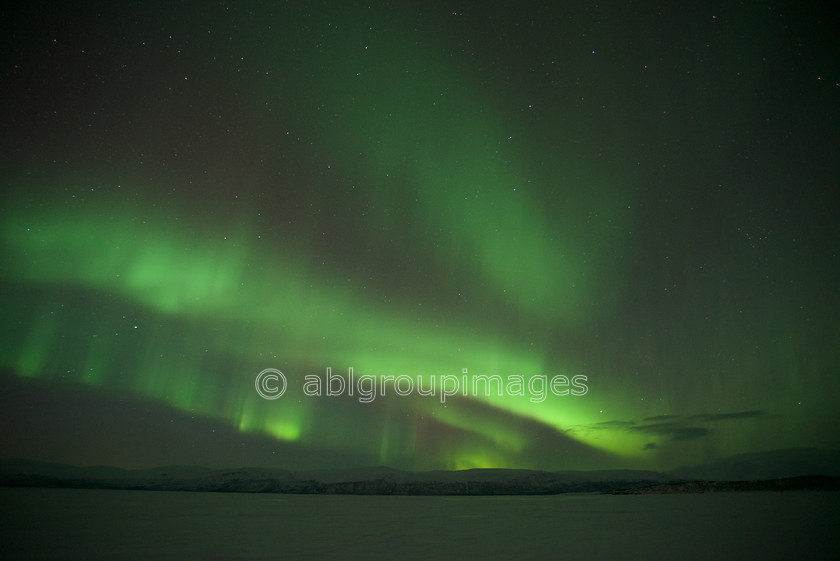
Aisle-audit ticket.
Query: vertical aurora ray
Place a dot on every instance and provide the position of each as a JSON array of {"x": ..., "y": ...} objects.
[
  {"x": 441, "y": 171},
  {"x": 412, "y": 190},
  {"x": 218, "y": 322}
]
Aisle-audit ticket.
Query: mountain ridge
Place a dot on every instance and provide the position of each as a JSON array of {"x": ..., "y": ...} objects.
[{"x": 793, "y": 468}]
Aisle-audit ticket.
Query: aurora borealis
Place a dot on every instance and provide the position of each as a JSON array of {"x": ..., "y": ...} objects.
[{"x": 640, "y": 196}]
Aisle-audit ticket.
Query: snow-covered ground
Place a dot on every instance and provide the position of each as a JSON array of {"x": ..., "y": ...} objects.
[{"x": 105, "y": 524}]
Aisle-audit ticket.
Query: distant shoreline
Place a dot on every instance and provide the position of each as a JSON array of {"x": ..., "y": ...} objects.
[
  {"x": 799, "y": 483},
  {"x": 385, "y": 481}
]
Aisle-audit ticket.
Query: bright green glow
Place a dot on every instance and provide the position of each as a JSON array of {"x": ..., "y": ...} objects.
[
  {"x": 281, "y": 308},
  {"x": 105, "y": 248},
  {"x": 471, "y": 193},
  {"x": 475, "y": 460},
  {"x": 411, "y": 191},
  {"x": 281, "y": 426}
]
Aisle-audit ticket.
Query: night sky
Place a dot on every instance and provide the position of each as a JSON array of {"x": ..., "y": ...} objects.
[{"x": 639, "y": 196}]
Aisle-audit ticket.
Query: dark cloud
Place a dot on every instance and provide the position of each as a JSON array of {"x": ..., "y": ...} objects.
[
  {"x": 713, "y": 417},
  {"x": 613, "y": 424},
  {"x": 603, "y": 425},
  {"x": 657, "y": 428},
  {"x": 673, "y": 427},
  {"x": 675, "y": 430}
]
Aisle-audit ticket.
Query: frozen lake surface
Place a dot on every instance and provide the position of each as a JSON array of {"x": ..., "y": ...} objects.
[{"x": 103, "y": 524}]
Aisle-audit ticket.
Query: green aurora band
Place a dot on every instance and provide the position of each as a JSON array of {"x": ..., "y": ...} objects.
[
  {"x": 463, "y": 206},
  {"x": 314, "y": 187},
  {"x": 278, "y": 316}
]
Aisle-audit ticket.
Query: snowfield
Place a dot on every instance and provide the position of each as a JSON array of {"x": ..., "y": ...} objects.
[{"x": 112, "y": 524}]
